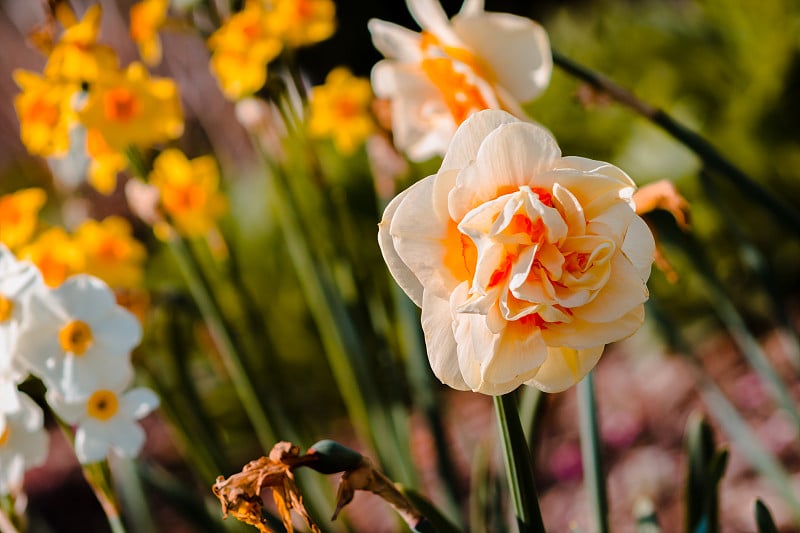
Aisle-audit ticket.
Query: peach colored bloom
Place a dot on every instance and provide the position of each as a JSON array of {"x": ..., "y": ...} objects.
[
  {"x": 437, "y": 78},
  {"x": 525, "y": 263}
]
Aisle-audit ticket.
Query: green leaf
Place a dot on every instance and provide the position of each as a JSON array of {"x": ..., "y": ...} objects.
[{"x": 764, "y": 521}]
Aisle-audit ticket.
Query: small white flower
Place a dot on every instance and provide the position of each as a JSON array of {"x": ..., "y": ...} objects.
[
  {"x": 23, "y": 443},
  {"x": 106, "y": 419},
  {"x": 18, "y": 279},
  {"x": 76, "y": 335}
]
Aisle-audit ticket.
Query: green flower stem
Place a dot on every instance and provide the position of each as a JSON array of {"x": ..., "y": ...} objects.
[
  {"x": 10, "y": 522},
  {"x": 519, "y": 469},
  {"x": 98, "y": 476},
  {"x": 591, "y": 448},
  {"x": 221, "y": 333},
  {"x": 707, "y": 153}
]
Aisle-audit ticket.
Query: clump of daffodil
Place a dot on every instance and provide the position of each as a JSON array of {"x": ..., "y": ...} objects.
[
  {"x": 340, "y": 110},
  {"x": 19, "y": 215},
  {"x": 129, "y": 108},
  {"x": 188, "y": 192},
  {"x": 56, "y": 254},
  {"x": 112, "y": 253},
  {"x": 147, "y": 18},
  {"x": 241, "y": 50},
  {"x": 303, "y": 22}
]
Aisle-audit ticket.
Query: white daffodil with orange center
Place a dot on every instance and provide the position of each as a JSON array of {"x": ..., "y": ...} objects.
[
  {"x": 76, "y": 335},
  {"x": 23, "y": 443},
  {"x": 105, "y": 419},
  {"x": 437, "y": 78},
  {"x": 525, "y": 263}
]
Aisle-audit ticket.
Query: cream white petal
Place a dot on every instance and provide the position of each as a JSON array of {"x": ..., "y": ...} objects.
[
  {"x": 91, "y": 441},
  {"x": 469, "y": 136},
  {"x": 612, "y": 222},
  {"x": 517, "y": 152},
  {"x": 119, "y": 331},
  {"x": 404, "y": 277},
  {"x": 622, "y": 292},
  {"x": 85, "y": 297},
  {"x": 591, "y": 166},
  {"x": 125, "y": 437},
  {"x": 564, "y": 367},
  {"x": 437, "y": 325},
  {"x": 395, "y": 41},
  {"x": 419, "y": 235},
  {"x": 471, "y": 7},
  {"x": 431, "y": 17},
  {"x": 69, "y": 412},
  {"x": 422, "y": 125},
  {"x": 639, "y": 247},
  {"x": 516, "y": 356},
  {"x": 580, "y": 334},
  {"x": 515, "y": 48},
  {"x": 138, "y": 402}
]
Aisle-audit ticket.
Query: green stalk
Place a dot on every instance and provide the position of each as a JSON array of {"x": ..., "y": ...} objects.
[
  {"x": 711, "y": 158},
  {"x": 232, "y": 357},
  {"x": 591, "y": 448},
  {"x": 519, "y": 469},
  {"x": 10, "y": 522},
  {"x": 98, "y": 476}
]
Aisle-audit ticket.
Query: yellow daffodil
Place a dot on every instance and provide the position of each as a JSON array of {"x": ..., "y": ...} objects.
[
  {"x": 525, "y": 263},
  {"x": 18, "y": 216},
  {"x": 241, "y": 50},
  {"x": 130, "y": 108},
  {"x": 302, "y": 22},
  {"x": 147, "y": 18},
  {"x": 105, "y": 163},
  {"x": 45, "y": 113},
  {"x": 453, "y": 68},
  {"x": 77, "y": 58},
  {"x": 340, "y": 109},
  {"x": 189, "y": 191},
  {"x": 112, "y": 253},
  {"x": 56, "y": 255}
]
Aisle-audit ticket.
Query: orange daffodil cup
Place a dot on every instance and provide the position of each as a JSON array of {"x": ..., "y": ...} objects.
[
  {"x": 525, "y": 263},
  {"x": 437, "y": 78}
]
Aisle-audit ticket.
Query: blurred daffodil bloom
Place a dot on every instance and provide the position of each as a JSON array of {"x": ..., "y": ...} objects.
[
  {"x": 56, "y": 254},
  {"x": 77, "y": 57},
  {"x": 19, "y": 215},
  {"x": 147, "y": 18},
  {"x": 241, "y": 50},
  {"x": 302, "y": 22},
  {"x": 45, "y": 113},
  {"x": 340, "y": 110},
  {"x": 112, "y": 253},
  {"x": 130, "y": 108},
  {"x": 189, "y": 192}
]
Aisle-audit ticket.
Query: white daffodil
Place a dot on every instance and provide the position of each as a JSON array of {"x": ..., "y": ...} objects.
[
  {"x": 18, "y": 279},
  {"x": 106, "y": 418},
  {"x": 76, "y": 335},
  {"x": 525, "y": 263},
  {"x": 23, "y": 443},
  {"x": 437, "y": 78}
]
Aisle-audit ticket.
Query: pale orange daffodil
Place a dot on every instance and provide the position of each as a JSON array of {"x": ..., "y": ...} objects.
[
  {"x": 525, "y": 263},
  {"x": 437, "y": 78}
]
